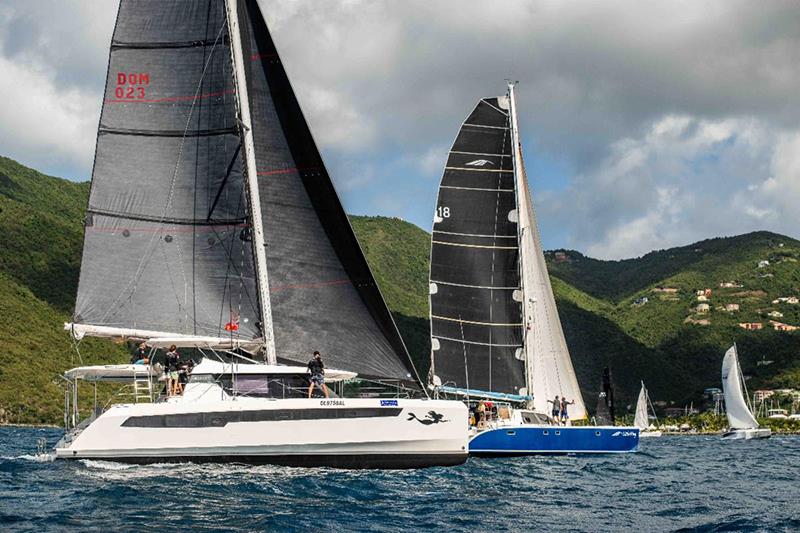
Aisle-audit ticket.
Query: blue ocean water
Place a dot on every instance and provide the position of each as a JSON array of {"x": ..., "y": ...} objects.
[{"x": 693, "y": 483}]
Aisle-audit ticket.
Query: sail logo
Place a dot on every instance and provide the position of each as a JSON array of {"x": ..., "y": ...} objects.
[
  {"x": 131, "y": 85},
  {"x": 479, "y": 163}
]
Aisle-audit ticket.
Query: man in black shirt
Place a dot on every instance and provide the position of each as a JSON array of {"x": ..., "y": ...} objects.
[
  {"x": 317, "y": 370},
  {"x": 171, "y": 367}
]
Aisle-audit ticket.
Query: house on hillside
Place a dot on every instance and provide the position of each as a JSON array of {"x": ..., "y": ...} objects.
[
  {"x": 761, "y": 395},
  {"x": 751, "y": 325},
  {"x": 775, "y": 314},
  {"x": 666, "y": 290},
  {"x": 560, "y": 257},
  {"x": 641, "y": 301},
  {"x": 702, "y": 308},
  {"x": 786, "y": 300},
  {"x": 702, "y": 298},
  {"x": 703, "y": 292},
  {"x": 780, "y": 326},
  {"x": 730, "y": 285},
  {"x": 763, "y": 263},
  {"x": 731, "y": 307}
]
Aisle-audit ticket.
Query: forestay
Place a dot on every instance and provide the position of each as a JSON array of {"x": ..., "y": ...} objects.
[
  {"x": 739, "y": 415},
  {"x": 168, "y": 241},
  {"x": 476, "y": 314}
]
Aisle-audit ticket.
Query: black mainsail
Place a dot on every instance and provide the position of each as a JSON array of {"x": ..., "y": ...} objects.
[
  {"x": 475, "y": 297},
  {"x": 169, "y": 247},
  {"x": 494, "y": 321}
]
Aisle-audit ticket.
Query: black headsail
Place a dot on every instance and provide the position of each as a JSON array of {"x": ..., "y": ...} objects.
[
  {"x": 166, "y": 247},
  {"x": 323, "y": 295},
  {"x": 476, "y": 314}
]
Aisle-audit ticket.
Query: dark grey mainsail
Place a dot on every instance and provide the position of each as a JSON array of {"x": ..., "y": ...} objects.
[
  {"x": 166, "y": 237},
  {"x": 476, "y": 314},
  {"x": 170, "y": 170}
]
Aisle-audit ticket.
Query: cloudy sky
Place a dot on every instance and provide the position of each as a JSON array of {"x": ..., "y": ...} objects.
[{"x": 646, "y": 124}]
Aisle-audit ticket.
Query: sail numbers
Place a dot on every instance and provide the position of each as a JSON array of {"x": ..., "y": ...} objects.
[
  {"x": 131, "y": 85},
  {"x": 443, "y": 212}
]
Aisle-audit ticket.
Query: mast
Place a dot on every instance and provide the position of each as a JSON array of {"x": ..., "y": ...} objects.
[
  {"x": 520, "y": 189},
  {"x": 251, "y": 175}
]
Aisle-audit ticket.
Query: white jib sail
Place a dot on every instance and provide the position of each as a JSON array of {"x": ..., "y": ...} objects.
[
  {"x": 546, "y": 348},
  {"x": 640, "y": 420},
  {"x": 739, "y": 415}
]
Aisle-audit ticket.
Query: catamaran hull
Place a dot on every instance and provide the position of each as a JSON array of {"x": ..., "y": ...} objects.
[
  {"x": 747, "y": 434},
  {"x": 536, "y": 440},
  {"x": 349, "y": 433},
  {"x": 645, "y": 434}
]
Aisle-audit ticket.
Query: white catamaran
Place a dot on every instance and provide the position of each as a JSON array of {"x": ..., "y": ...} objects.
[
  {"x": 495, "y": 329},
  {"x": 642, "y": 417},
  {"x": 213, "y": 225},
  {"x": 743, "y": 424}
]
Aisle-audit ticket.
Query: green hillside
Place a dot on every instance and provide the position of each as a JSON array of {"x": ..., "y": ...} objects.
[{"x": 664, "y": 341}]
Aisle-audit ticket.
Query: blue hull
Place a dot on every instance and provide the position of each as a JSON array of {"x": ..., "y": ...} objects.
[{"x": 531, "y": 440}]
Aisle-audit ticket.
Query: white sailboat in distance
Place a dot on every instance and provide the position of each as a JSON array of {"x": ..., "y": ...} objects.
[
  {"x": 642, "y": 417},
  {"x": 213, "y": 225},
  {"x": 742, "y": 424}
]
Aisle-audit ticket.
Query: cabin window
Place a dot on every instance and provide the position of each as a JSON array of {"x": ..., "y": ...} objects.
[
  {"x": 558, "y": 433},
  {"x": 596, "y": 433},
  {"x": 545, "y": 432},
  {"x": 277, "y": 386},
  {"x": 510, "y": 432}
]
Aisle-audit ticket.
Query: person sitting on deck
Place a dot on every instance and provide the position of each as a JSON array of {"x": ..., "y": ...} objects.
[
  {"x": 564, "y": 416},
  {"x": 480, "y": 415},
  {"x": 140, "y": 355},
  {"x": 317, "y": 370},
  {"x": 172, "y": 366},
  {"x": 556, "y": 411}
]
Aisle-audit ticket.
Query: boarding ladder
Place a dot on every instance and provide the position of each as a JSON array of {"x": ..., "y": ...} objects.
[{"x": 142, "y": 385}]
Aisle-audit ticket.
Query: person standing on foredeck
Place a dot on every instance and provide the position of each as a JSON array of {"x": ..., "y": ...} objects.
[
  {"x": 556, "y": 411},
  {"x": 564, "y": 416},
  {"x": 317, "y": 370}
]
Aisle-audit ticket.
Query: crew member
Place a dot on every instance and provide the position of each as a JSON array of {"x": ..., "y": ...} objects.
[{"x": 317, "y": 370}]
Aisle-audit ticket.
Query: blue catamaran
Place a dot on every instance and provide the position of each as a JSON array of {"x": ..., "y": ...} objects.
[{"x": 496, "y": 337}]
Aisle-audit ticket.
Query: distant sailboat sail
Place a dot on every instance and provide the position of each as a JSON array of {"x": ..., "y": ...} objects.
[
  {"x": 494, "y": 322},
  {"x": 640, "y": 419},
  {"x": 739, "y": 415},
  {"x": 171, "y": 235}
]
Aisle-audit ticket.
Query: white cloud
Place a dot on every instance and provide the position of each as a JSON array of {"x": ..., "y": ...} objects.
[
  {"x": 684, "y": 179},
  {"x": 634, "y": 98}
]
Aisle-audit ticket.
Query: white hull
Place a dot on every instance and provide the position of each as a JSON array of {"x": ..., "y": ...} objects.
[
  {"x": 350, "y": 433},
  {"x": 643, "y": 434},
  {"x": 747, "y": 434}
]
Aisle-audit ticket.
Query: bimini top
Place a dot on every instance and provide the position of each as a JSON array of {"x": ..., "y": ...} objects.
[
  {"x": 111, "y": 372},
  {"x": 210, "y": 366},
  {"x": 124, "y": 373}
]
